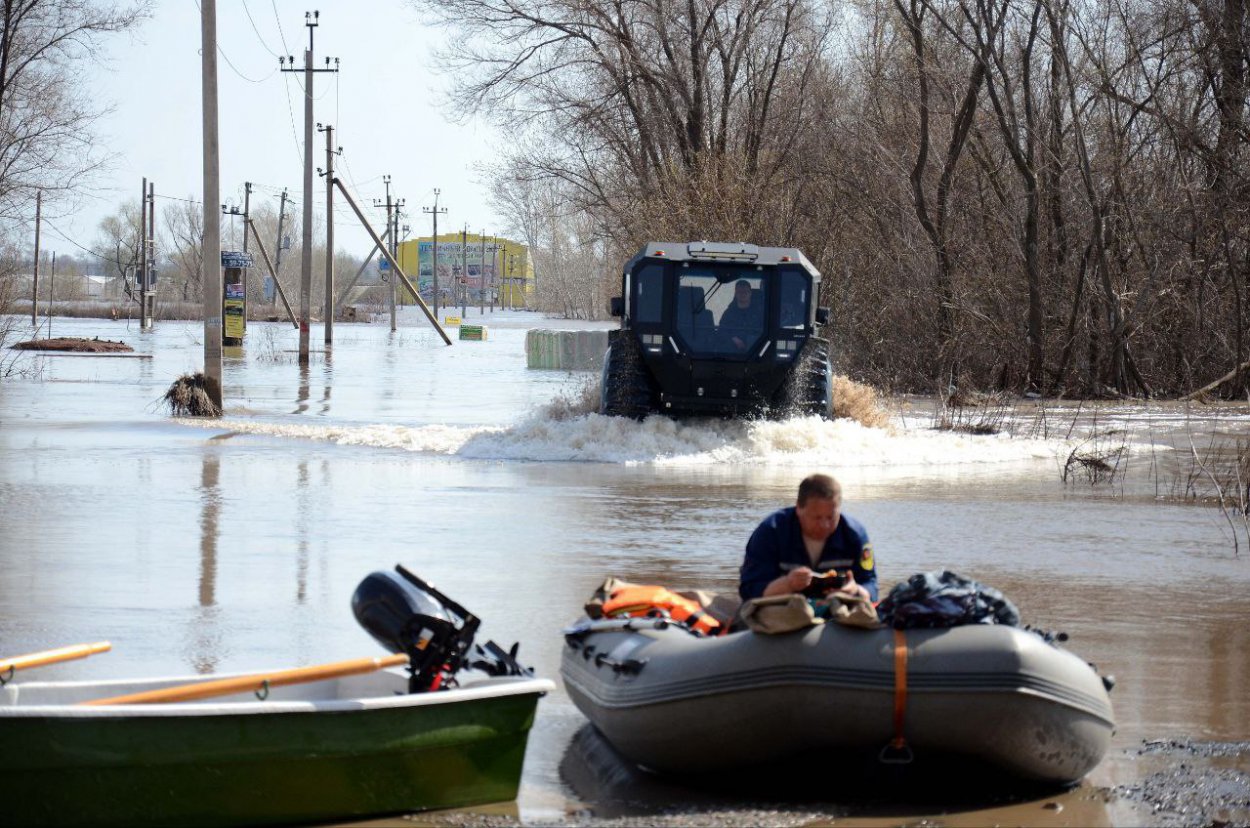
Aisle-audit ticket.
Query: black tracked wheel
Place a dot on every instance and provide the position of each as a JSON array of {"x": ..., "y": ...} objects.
[
  {"x": 808, "y": 390},
  {"x": 627, "y": 387}
]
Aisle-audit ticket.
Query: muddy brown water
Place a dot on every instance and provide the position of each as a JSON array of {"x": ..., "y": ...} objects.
[{"x": 236, "y": 545}]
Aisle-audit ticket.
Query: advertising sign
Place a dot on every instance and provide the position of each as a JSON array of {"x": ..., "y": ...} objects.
[
  {"x": 454, "y": 257},
  {"x": 235, "y": 258},
  {"x": 233, "y": 311}
]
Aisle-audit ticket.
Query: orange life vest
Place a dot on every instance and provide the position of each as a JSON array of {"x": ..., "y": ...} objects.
[{"x": 636, "y": 601}]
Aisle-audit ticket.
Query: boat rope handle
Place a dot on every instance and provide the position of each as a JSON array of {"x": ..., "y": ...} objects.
[
  {"x": 897, "y": 751},
  {"x": 262, "y": 692}
]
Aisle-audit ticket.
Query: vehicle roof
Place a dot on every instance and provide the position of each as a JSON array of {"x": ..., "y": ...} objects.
[{"x": 728, "y": 252}]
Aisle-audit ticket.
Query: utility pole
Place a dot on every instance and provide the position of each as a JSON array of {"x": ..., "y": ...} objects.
[
  {"x": 481, "y": 275},
  {"x": 247, "y": 210},
  {"x": 386, "y": 180},
  {"x": 277, "y": 254},
  {"x": 435, "y": 211},
  {"x": 464, "y": 271},
  {"x": 51, "y": 294},
  {"x": 311, "y": 20},
  {"x": 494, "y": 272},
  {"x": 399, "y": 273},
  {"x": 149, "y": 290},
  {"x": 142, "y": 273},
  {"x": 393, "y": 230},
  {"x": 34, "y": 295},
  {"x": 329, "y": 176},
  {"x": 508, "y": 280},
  {"x": 212, "y": 195}
]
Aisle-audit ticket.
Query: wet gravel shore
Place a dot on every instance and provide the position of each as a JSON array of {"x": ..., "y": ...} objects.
[
  {"x": 1204, "y": 784},
  {"x": 1184, "y": 784}
]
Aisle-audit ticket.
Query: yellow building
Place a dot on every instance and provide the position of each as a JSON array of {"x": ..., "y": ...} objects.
[{"x": 485, "y": 266}]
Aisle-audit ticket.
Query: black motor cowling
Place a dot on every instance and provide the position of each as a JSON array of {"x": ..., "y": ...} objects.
[{"x": 405, "y": 614}]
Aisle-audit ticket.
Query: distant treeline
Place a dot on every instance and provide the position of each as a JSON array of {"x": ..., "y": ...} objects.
[{"x": 1019, "y": 194}]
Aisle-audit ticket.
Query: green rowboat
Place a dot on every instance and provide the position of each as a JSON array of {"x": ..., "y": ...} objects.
[{"x": 345, "y": 748}]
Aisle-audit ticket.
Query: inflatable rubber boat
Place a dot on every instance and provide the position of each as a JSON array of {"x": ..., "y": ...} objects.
[{"x": 676, "y": 702}]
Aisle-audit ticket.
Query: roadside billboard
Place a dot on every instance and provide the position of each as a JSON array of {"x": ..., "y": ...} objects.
[{"x": 483, "y": 264}]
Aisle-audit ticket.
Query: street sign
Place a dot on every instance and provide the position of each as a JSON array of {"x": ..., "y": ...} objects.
[{"x": 235, "y": 258}]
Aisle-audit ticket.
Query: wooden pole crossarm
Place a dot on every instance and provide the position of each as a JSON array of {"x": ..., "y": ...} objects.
[
  {"x": 394, "y": 264},
  {"x": 256, "y": 683}
]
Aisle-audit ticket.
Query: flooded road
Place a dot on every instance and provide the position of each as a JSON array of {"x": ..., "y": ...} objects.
[{"x": 232, "y": 545}]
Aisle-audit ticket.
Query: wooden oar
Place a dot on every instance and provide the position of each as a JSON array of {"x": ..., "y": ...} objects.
[
  {"x": 22, "y": 662},
  {"x": 255, "y": 683}
]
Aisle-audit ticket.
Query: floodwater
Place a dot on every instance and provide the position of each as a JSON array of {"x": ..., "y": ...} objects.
[{"x": 236, "y": 544}]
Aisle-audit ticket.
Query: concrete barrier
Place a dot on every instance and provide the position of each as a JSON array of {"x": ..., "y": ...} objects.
[{"x": 565, "y": 350}]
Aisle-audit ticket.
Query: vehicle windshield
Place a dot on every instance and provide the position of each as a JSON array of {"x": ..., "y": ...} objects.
[{"x": 720, "y": 311}]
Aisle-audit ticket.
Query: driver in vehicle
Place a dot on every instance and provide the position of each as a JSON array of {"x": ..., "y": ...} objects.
[{"x": 743, "y": 319}]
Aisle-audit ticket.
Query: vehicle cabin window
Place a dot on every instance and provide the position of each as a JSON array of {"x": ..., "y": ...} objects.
[
  {"x": 649, "y": 299},
  {"x": 721, "y": 310},
  {"x": 795, "y": 288},
  {"x": 695, "y": 323}
]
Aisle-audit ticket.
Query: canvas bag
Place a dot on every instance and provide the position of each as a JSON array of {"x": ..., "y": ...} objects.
[
  {"x": 853, "y": 611},
  {"x": 776, "y": 614}
]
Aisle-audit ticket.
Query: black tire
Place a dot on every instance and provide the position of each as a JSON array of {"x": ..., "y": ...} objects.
[
  {"x": 627, "y": 388},
  {"x": 808, "y": 390}
]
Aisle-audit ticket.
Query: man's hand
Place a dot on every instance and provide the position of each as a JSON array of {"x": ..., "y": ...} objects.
[
  {"x": 799, "y": 579},
  {"x": 852, "y": 588},
  {"x": 796, "y": 580}
]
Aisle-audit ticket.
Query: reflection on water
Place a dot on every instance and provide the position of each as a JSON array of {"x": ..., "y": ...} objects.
[
  {"x": 301, "y": 577},
  {"x": 821, "y": 791},
  {"x": 205, "y": 648},
  {"x": 454, "y": 462},
  {"x": 208, "y": 529}
]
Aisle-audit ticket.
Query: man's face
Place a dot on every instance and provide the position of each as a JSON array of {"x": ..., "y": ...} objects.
[
  {"x": 743, "y": 294},
  {"x": 818, "y": 517}
]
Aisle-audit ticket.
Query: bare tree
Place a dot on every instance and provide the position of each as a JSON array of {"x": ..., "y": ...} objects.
[
  {"x": 46, "y": 142},
  {"x": 184, "y": 233},
  {"x": 644, "y": 102},
  {"x": 118, "y": 242}
]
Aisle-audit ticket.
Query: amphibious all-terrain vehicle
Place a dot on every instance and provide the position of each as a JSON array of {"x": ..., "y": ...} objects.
[{"x": 720, "y": 330}]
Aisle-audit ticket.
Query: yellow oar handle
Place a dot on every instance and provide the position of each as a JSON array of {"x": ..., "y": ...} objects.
[
  {"x": 53, "y": 656},
  {"x": 254, "y": 683}
]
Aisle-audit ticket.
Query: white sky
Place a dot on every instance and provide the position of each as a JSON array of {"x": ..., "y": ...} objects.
[{"x": 384, "y": 105}]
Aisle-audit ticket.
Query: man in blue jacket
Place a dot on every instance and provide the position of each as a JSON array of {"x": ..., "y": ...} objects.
[{"x": 813, "y": 536}]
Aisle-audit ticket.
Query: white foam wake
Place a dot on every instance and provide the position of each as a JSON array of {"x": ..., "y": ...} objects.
[{"x": 805, "y": 442}]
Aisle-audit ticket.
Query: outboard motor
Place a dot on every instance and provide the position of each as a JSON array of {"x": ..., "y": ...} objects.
[{"x": 407, "y": 615}]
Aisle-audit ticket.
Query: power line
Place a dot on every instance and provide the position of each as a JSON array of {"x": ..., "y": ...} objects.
[
  {"x": 176, "y": 198},
  {"x": 76, "y": 244},
  {"x": 301, "y": 85},
  {"x": 257, "y": 30},
  {"x": 281, "y": 34},
  {"x": 226, "y": 57},
  {"x": 290, "y": 111},
  {"x": 240, "y": 74}
]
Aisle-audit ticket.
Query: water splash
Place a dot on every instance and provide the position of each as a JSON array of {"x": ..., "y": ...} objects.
[{"x": 555, "y": 436}]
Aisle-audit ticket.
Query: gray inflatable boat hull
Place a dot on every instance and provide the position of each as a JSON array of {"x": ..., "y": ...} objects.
[{"x": 675, "y": 703}]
